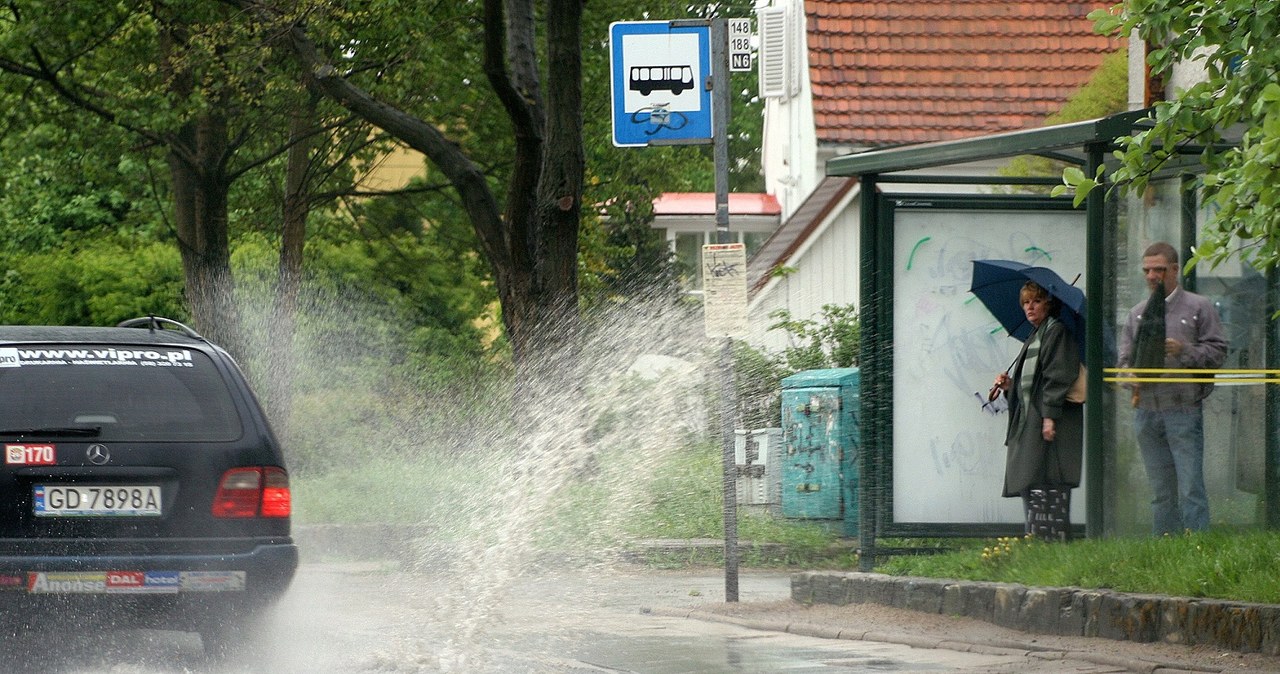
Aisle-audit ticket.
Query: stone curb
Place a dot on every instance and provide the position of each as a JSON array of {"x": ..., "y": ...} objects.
[
  {"x": 1235, "y": 626},
  {"x": 987, "y": 647}
]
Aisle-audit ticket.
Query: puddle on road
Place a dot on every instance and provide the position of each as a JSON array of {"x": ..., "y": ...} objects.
[{"x": 762, "y": 654}]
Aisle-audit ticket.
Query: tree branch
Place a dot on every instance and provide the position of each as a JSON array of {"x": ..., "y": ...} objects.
[
  {"x": 477, "y": 199},
  {"x": 521, "y": 98}
]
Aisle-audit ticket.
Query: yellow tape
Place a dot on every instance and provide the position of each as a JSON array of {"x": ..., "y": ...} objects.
[
  {"x": 1190, "y": 380},
  {"x": 1221, "y": 377},
  {"x": 1162, "y": 370}
]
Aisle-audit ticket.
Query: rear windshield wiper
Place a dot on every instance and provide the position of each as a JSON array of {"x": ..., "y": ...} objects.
[{"x": 55, "y": 431}]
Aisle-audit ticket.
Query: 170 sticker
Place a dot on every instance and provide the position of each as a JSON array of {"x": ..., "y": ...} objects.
[{"x": 29, "y": 455}]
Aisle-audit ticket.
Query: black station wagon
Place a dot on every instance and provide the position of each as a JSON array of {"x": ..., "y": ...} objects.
[{"x": 142, "y": 485}]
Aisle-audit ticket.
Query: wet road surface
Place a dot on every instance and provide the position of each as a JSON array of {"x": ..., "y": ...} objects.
[{"x": 376, "y": 617}]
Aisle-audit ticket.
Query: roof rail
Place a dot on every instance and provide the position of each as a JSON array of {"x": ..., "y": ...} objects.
[{"x": 160, "y": 323}]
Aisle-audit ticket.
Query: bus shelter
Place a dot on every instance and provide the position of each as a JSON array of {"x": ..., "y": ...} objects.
[{"x": 931, "y": 456}]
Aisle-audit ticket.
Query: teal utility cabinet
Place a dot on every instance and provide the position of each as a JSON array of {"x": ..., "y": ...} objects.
[{"x": 820, "y": 460}]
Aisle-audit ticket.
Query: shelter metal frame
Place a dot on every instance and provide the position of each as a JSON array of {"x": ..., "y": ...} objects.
[{"x": 1086, "y": 144}]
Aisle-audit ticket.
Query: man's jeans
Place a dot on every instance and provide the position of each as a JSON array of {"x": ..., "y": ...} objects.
[{"x": 1172, "y": 444}]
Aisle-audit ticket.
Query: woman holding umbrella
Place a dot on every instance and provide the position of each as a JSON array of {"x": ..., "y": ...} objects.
[{"x": 1046, "y": 431}]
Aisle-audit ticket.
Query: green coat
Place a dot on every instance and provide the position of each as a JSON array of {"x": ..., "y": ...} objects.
[{"x": 1031, "y": 461}]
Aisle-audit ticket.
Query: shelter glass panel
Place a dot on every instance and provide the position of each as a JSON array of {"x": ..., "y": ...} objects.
[
  {"x": 947, "y": 348},
  {"x": 1234, "y": 416}
]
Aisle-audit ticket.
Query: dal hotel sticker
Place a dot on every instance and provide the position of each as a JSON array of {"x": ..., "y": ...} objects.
[
  {"x": 724, "y": 286},
  {"x": 29, "y": 455}
]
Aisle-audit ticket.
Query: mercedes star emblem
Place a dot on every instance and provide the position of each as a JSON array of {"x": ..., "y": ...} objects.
[{"x": 98, "y": 454}]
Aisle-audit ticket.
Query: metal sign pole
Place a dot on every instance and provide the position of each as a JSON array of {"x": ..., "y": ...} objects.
[
  {"x": 720, "y": 123},
  {"x": 720, "y": 151}
]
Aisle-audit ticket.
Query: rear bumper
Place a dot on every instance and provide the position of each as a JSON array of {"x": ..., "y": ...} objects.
[{"x": 162, "y": 586}]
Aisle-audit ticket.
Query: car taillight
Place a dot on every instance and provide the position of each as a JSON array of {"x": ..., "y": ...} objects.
[
  {"x": 253, "y": 492},
  {"x": 276, "y": 500}
]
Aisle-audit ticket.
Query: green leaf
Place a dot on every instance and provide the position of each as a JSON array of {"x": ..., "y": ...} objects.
[
  {"x": 1270, "y": 92},
  {"x": 1082, "y": 191}
]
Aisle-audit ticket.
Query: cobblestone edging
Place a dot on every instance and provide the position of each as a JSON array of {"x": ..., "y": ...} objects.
[{"x": 1236, "y": 626}]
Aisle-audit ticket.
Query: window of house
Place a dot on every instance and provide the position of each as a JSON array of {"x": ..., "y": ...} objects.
[{"x": 688, "y": 249}]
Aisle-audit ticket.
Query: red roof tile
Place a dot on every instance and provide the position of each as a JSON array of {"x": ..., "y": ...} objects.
[{"x": 911, "y": 71}]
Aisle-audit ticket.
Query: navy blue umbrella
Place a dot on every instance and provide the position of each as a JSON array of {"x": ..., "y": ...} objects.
[{"x": 998, "y": 284}]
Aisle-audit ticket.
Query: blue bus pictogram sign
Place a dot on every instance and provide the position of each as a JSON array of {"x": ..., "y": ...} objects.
[{"x": 658, "y": 80}]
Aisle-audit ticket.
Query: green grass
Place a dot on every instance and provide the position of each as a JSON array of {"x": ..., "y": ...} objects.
[
  {"x": 686, "y": 500},
  {"x": 389, "y": 491},
  {"x": 1229, "y": 565}
]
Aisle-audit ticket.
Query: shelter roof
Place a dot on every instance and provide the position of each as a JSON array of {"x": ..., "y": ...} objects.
[{"x": 1068, "y": 142}]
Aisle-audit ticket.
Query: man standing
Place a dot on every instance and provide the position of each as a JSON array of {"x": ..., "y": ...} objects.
[{"x": 1169, "y": 418}]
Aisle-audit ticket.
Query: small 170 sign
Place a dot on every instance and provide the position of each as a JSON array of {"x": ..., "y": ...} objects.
[{"x": 739, "y": 45}]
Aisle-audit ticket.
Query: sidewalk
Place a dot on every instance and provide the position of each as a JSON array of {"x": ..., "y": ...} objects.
[
  {"x": 1229, "y": 625},
  {"x": 904, "y": 627},
  {"x": 873, "y": 607},
  {"x": 1235, "y": 626},
  {"x": 1203, "y": 635}
]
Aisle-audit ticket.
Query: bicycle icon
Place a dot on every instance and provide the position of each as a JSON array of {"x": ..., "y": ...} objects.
[{"x": 659, "y": 116}]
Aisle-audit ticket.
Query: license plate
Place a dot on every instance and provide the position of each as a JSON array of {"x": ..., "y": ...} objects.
[{"x": 96, "y": 501}]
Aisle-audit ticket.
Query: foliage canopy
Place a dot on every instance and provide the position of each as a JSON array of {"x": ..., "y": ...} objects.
[{"x": 1230, "y": 119}]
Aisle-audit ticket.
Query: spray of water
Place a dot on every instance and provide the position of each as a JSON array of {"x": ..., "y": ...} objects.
[{"x": 526, "y": 470}]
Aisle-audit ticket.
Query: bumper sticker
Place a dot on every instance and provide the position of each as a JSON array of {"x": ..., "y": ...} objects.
[
  {"x": 127, "y": 582},
  {"x": 79, "y": 582},
  {"x": 212, "y": 581}
]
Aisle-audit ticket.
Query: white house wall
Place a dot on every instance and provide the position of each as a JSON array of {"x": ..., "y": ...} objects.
[
  {"x": 789, "y": 146},
  {"x": 827, "y": 264},
  {"x": 826, "y": 272},
  {"x": 1185, "y": 74}
]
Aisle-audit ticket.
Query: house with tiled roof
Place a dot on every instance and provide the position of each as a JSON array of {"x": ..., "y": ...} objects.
[
  {"x": 687, "y": 220},
  {"x": 844, "y": 76}
]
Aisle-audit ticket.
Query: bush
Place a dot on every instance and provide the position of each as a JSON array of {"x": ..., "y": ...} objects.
[
  {"x": 831, "y": 341},
  {"x": 112, "y": 281}
]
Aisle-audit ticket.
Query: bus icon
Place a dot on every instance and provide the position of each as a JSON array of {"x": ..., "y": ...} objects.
[{"x": 647, "y": 79}]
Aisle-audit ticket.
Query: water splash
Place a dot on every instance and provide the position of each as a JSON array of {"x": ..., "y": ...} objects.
[
  {"x": 525, "y": 468},
  {"x": 610, "y": 440}
]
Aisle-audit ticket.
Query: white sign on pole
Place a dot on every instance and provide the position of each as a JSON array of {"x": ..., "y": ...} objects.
[
  {"x": 724, "y": 289},
  {"x": 739, "y": 45}
]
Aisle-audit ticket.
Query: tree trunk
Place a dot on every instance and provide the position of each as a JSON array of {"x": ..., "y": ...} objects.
[
  {"x": 200, "y": 218},
  {"x": 197, "y": 169},
  {"x": 295, "y": 211},
  {"x": 553, "y": 328}
]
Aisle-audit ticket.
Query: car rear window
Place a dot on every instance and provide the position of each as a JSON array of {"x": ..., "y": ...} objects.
[{"x": 158, "y": 393}]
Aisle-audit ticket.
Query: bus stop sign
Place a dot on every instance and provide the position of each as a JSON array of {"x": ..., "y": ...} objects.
[{"x": 659, "y": 75}]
